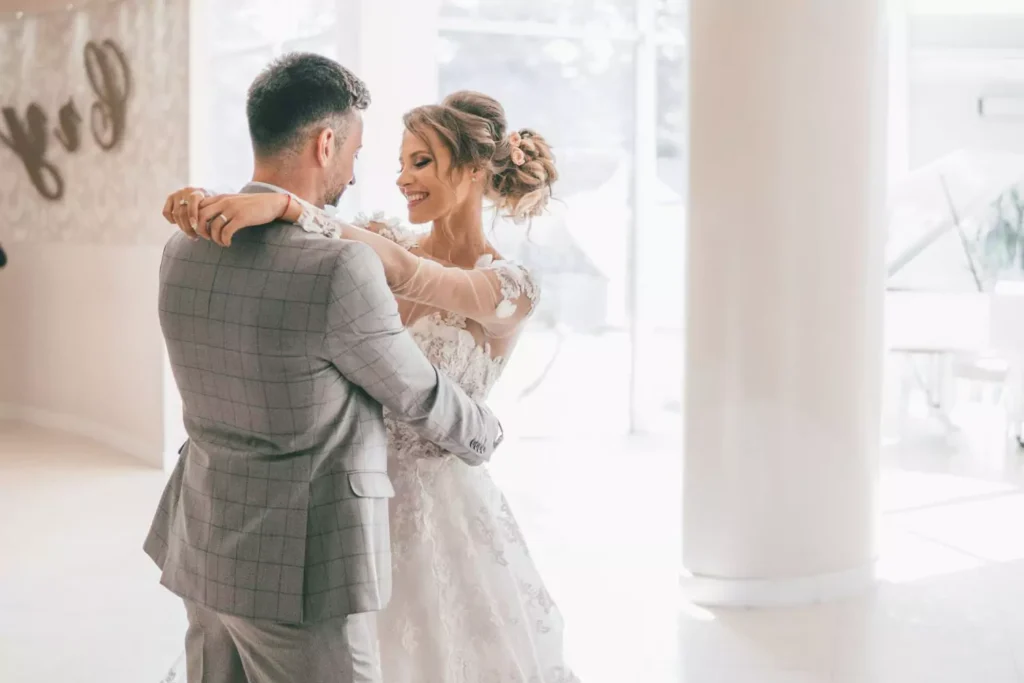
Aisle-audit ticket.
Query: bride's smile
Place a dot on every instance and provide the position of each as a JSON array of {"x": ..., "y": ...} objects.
[{"x": 416, "y": 198}]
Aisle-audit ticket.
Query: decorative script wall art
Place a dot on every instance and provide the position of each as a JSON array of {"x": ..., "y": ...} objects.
[
  {"x": 28, "y": 137},
  {"x": 93, "y": 121}
]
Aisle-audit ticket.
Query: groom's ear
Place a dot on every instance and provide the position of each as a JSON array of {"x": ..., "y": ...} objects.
[{"x": 325, "y": 146}]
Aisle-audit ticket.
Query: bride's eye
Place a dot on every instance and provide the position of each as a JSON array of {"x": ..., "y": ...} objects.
[{"x": 422, "y": 163}]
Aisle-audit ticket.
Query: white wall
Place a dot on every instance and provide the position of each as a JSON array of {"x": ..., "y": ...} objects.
[
  {"x": 82, "y": 345},
  {"x": 79, "y": 333}
]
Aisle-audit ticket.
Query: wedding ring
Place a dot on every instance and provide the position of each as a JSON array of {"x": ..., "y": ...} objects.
[
  {"x": 225, "y": 218},
  {"x": 183, "y": 202}
]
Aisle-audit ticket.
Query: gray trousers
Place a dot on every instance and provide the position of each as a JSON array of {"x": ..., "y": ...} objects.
[{"x": 220, "y": 648}]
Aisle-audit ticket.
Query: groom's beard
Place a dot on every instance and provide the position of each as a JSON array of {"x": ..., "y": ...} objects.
[
  {"x": 333, "y": 198},
  {"x": 332, "y": 194}
]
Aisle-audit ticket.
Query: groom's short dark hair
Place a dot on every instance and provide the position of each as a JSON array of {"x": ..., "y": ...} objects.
[{"x": 296, "y": 91}]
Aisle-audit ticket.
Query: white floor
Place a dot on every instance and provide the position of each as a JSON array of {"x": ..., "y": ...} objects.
[{"x": 79, "y": 602}]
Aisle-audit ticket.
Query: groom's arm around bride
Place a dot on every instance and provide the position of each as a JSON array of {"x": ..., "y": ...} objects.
[{"x": 368, "y": 344}]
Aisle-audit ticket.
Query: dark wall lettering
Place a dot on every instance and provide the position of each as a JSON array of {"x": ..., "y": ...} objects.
[
  {"x": 68, "y": 134},
  {"x": 28, "y": 141},
  {"x": 111, "y": 81},
  {"x": 110, "y": 78}
]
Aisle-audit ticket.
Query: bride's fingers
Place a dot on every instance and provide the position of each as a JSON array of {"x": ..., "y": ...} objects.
[
  {"x": 217, "y": 225},
  {"x": 181, "y": 218},
  {"x": 194, "y": 201},
  {"x": 228, "y": 231},
  {"x": 207, "y": 212},
  {"x": 168, "y": 212}
]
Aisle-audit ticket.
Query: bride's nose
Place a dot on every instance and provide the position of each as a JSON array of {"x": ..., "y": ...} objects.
[{"x": 404, "y": 179}]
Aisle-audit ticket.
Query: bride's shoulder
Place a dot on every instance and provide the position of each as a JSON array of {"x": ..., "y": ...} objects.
[
  {"x": 515, "y": 279},
  {"x": 388, "y": 227}
]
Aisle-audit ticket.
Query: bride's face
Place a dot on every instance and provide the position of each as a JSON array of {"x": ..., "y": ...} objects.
[{"x": 427, "y": 179}]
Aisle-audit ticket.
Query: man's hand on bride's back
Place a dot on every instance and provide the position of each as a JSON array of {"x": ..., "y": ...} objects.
[{"x": 218, "y": 217}]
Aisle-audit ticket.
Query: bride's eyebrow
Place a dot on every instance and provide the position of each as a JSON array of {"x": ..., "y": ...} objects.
[{"x": 415, "y": 153}]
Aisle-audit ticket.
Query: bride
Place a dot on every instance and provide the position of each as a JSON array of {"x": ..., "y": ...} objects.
[{"x": 468, "y": 605}]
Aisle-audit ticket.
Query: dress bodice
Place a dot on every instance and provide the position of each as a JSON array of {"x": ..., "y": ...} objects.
[
  {"x": 463, "y": 348},
  {"x": 453, "y": 350}
]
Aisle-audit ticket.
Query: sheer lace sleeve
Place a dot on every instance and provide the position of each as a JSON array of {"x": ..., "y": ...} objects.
[{"x": 497, "y": 294}]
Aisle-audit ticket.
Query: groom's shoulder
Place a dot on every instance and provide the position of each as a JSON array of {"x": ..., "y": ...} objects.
[
  {"x": 339, "y": 259},
  {"x": 332, "y": 248},
  {"x": 177, "y": 246},
  {"x": 275, "y": 247},
  {"x": 355, "y": 266}
]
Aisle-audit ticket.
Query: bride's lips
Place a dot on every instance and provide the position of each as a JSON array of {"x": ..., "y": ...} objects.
[{"x": 416, "y": 198}]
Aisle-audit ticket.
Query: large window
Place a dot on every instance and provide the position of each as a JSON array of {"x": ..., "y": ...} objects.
[{"x": 603, "y": 81}]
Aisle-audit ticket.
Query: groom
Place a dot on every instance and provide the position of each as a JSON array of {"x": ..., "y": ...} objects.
[{"x": 274, "y": 525}]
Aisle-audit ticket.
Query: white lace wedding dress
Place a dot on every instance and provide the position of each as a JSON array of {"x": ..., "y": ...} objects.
[{"x": 469, "y": 605}]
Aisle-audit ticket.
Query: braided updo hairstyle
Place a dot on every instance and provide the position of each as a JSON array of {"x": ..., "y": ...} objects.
[{"x": 473, "y": 128}]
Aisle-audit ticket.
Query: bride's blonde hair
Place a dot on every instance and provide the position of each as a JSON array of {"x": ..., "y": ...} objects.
[{"x": 520, "y": 167}]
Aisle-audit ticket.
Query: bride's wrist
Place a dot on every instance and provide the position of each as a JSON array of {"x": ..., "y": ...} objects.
[
  {"x": 284, "y": 202},
  {"x": 291, "y": 210}
]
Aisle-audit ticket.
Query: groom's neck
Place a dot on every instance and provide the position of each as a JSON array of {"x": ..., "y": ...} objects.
[{"x": 302, "y": 185}]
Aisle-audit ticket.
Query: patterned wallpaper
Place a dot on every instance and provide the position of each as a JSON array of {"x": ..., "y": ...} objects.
[{"x": 93, "y": 122}]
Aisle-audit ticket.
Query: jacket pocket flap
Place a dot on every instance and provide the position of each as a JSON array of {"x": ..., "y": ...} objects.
[{"x": 371, "y": 484}]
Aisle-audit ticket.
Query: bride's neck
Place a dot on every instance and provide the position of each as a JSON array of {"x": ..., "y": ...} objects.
[{"x": 459, "y": 237}]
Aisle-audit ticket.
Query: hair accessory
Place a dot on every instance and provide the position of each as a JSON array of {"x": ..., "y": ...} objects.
[{"x": 518, "y": 156}]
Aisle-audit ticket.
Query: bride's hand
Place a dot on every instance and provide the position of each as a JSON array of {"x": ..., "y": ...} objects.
[
  {"x": 182, "y": 209},
  {"x": 221, "y": 216}
]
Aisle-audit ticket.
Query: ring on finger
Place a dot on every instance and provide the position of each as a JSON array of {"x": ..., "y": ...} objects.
[
  {"x": 224, "y": 218},
  {"x": 183, "y": 202}
]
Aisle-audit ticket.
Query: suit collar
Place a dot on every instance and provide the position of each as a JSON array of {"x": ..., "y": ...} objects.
[{"x": 257, "y": 187}]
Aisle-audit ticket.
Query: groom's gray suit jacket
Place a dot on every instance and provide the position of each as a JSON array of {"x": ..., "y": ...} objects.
[{"x": 285, "y": 347}]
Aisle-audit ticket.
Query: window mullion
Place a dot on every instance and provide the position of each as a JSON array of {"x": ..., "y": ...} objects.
[{"x": 644, "y": 176}]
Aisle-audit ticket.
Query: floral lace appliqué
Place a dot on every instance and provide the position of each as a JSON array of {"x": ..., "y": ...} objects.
[
  {"x": 515, "y": 282},
  {"x": 388, "y": 227}
]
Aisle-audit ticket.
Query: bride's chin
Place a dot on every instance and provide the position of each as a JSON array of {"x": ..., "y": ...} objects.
[{"x": 418, "y": 217}]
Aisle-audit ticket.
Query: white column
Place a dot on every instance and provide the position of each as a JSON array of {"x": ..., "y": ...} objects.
[{"x": 784, "y": 300}]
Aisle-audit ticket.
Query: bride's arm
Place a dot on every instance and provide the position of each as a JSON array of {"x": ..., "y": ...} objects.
[
  {"x": 219, "y": 217},
  {"x": 498, "y": 296}
]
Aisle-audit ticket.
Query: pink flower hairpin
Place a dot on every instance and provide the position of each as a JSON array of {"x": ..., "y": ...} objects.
[{"x": 518, "y": 156}]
